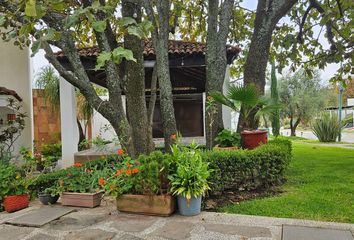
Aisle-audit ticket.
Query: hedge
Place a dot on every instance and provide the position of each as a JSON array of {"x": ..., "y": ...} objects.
[
  {"x": 242, "y": 169},
  {"x": 249, "y": 169}
]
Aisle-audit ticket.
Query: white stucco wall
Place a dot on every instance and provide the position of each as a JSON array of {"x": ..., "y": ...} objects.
[{"x": 16, "y": 74}]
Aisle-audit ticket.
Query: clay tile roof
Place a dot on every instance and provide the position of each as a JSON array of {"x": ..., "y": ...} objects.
[
  {"x": 175, "y": 47},
  {"x": 5, "y": 91}
]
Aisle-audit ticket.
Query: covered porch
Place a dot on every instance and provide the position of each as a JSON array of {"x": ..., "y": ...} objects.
[{"x": 188, "y": 78}]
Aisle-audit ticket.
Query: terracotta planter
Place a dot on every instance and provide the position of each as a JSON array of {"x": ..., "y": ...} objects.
[
  {"x": 89, "y": 200},
  {"x": 252, "y": 139},
  {"x": 158, "y": 205},
  {"x": 16, "y": 202}
]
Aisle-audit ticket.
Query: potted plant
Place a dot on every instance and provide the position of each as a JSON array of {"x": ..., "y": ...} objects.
[
  {"x": 13, "y": 189},
  {"x": 141, "y": 186},
  {"x": 81, "y": 187},
  {"x": 227, "y": 140},
  {"x": 189, "y": 179},
  {"x": 253, "y": 105},
  {"x": 48, "y": 196}
]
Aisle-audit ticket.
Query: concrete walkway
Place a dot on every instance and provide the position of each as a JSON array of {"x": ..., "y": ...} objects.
[{"x": 105, "y": 223}]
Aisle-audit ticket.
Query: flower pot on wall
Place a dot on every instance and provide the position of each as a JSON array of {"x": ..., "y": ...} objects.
[
  {"x": 89, "y": 200},
  {"x": 16, "y": 202},
  {"x": 252, "y": 139},
  {"x": 159, "y": 205},
  {"x": 191, "y": 207}
]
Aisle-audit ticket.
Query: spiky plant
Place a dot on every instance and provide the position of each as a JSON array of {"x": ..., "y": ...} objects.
[{"x": 327, "y": 127}]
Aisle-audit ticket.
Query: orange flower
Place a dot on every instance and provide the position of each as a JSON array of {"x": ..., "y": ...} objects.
[
  {"x": 119, "y": 172},
  {"x": 210, "y": 98},
  {"x": 120, "y": 151},
  {"x": 173, "y": 137},
  {"x": 101, "y": 181},
  {"x": 129, "y": 165},
  {"x": 135, "y": 170},
  {"x": 128, "y": 172},
  {"x": 77, "y": 165},
  {"x": 111, "y": 187}
]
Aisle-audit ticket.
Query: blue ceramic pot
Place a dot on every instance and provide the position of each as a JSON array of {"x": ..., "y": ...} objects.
[{"x": 189, "y": 208}]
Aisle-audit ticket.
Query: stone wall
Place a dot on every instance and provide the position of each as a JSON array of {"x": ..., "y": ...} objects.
[{"x": 46, "y": 121}]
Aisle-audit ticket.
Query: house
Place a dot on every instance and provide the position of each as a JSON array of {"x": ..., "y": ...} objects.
[
  {"x": 188, "y": 78},
  {"x": 15, "y": 82}
]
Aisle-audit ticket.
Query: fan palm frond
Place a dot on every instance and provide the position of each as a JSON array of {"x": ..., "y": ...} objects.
[
  {"x": 245, "y": 95},
  {"x": 220, "y": 98}
]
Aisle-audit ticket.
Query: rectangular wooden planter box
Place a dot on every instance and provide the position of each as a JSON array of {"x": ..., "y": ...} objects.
[
  {"x": 158, "y": 205},
  {"x": 89, "y": 200}
]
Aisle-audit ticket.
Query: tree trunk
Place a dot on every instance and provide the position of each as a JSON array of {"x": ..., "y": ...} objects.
[
  {"x": 135, "y": 85},
  {"x": 160, "y": 41},
  {"x": 216, "y": 62},
  {"x": 294, "y": 126},
  {"x": 82, "y": 136},
  {"x": 268, "y": 15}
]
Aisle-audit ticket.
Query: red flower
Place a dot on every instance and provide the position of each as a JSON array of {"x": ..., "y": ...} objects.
[
  {"x": 135, "y": 170},
  {"x": 101, "y": 181},
  {"x": 119, "y": 172},
  {"x": 111, "y": 187},
  {"x": 120, "y": 151},
  {"x": 128, "y": 172},
  {"x": 77, "y": 165}
]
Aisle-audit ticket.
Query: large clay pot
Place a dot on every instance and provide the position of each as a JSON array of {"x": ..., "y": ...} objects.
[
  {"x": 159, "y": 205},
  {"x": 252, "y": 139},
  {"x": 16, "y": 202}
]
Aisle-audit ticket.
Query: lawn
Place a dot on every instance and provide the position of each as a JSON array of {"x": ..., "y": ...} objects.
[{"x": 320, "y": 186}]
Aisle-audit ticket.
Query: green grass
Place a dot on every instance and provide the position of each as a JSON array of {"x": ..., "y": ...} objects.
[{"x": 320, "y": 186}]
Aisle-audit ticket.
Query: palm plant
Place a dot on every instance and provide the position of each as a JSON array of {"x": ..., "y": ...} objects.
[{"x": 246, "y": 100}]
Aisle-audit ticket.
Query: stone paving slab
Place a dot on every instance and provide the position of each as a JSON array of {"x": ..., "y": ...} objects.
[
  {"x": 242, "y": 231},
  {"x": 311, "y": 233},
  {"x": 8, "y": 232},
  {"x": 175, "y": 230},
  {"x": 40, "y": 217},
  {"x": 90, "y": 234}
]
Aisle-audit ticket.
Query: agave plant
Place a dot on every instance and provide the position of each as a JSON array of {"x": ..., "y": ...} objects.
[
  {"x": 326, "y": 128},
  {"x": 250, "y": 100}
]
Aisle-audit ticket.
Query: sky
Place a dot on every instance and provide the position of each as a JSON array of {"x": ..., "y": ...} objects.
[{"x": 39, "y": 61}]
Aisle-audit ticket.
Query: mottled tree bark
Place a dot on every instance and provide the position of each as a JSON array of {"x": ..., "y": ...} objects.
[
  {"x": 268, "y": 15},
  {"x": 218, "y": 28},
  {"x": 160, "y": 42},
  {"x": 135, "y": 84}
]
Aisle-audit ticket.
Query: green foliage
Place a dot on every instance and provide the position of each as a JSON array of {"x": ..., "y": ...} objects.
[
  {"x": 327, "y": 127},
  {"x": 190, "y": 179},
  {"x": 302, "y": 95},
  {"x": 275, "y": 118},
  {"x": 10, "y": 132},
  {"x": 51, "y": 150},
  {"x": 250, "y": 100},
  {"x": 226, "y": 138},
  {"x": 248, "y": 169},
  {"x": 11, "y": 182}
]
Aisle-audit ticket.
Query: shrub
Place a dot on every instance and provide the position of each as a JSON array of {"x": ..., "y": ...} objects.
[
  {"x": 326, "y": 128},
  {"x": 51, "y": 150},
  {"x": 249, "y": 169},
  {"x": 226, "y": 138}
]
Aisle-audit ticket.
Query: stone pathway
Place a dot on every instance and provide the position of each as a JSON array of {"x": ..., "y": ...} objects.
[{"x": 105, "y": 223}]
